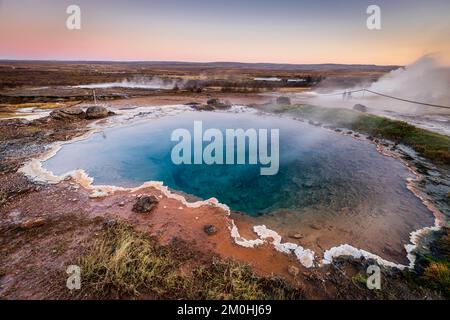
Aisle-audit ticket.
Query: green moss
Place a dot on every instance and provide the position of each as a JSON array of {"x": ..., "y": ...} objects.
[{"x": 359, "y": 279}]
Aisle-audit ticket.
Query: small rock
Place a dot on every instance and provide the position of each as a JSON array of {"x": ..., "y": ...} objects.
[
  {"x": 212, "y": 104},
  {"x": 122, "y": 204},
  {"x": 97, "y": 112},
  {"x": 68, "y": 114},
  {"x": 32, "y": 223},
  {"x": 210, "y": 229},
  {"x": 308, "y": 184},
  {"x": 297, "y": 236},
  {"x": 74, "y": 112},
  {"x": 145, "y": 204},
  {"x": 293, "y": 271},
  {"x": 110, "y": 223},
  {"x": 212, "y": 101},
  {"x": 314, "y": 123},
  {"x": 284, "y": 101},
  {"x": 360, "y": 108}
]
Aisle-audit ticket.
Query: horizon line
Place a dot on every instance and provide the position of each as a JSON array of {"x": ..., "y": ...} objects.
[{"x": 200, "y": 62}]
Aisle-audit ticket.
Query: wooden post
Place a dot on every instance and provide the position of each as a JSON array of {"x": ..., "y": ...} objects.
[{"x": 95, "y": 98}]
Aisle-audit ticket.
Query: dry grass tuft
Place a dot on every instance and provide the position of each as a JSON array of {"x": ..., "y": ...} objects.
[
  {"x": 437, "y": 276},
  {"x": 125, "y": 263}
]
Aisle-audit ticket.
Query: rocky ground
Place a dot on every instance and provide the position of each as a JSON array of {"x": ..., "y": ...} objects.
[{"x": 44, "y": 228}]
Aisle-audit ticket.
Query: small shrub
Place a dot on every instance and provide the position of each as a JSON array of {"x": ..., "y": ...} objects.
[{"x": 437, "y": 276}]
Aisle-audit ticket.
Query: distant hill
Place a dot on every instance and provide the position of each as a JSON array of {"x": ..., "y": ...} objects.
[
  {"x": 224, "y": 65},
  {"x": 276, "y": 66}
]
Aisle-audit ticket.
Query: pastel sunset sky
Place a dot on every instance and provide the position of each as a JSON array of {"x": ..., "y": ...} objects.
[{"x": 283, "y": 31}]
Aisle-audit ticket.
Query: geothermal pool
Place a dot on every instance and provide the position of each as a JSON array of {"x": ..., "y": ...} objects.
[{"x": 330, "y": 189}]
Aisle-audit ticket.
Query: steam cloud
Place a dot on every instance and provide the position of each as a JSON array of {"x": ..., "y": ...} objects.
[
  {"x": 426, "y": 80},
  {"x": 136, "y": 83}
]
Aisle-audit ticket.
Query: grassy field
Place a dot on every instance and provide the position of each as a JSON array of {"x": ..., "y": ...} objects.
[
  {"x": 431, "y": 145},
  {"x": 124, "y": 263}
]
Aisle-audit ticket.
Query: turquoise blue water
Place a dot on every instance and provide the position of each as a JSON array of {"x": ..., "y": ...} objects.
[{"x": 317, "y": 167}]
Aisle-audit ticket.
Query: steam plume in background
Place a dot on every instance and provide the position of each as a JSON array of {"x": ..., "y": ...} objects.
[
  {"x": 136, "y": 83},
  {"x": 426, "y": 80}
]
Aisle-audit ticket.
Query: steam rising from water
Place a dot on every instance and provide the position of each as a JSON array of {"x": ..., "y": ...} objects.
[
  {"x": 154, "y": 83},
  {"x": 426, "y": 80}
]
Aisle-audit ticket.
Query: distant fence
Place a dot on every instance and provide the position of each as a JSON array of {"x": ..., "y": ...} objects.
[{"x": 388, "y": 96}]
